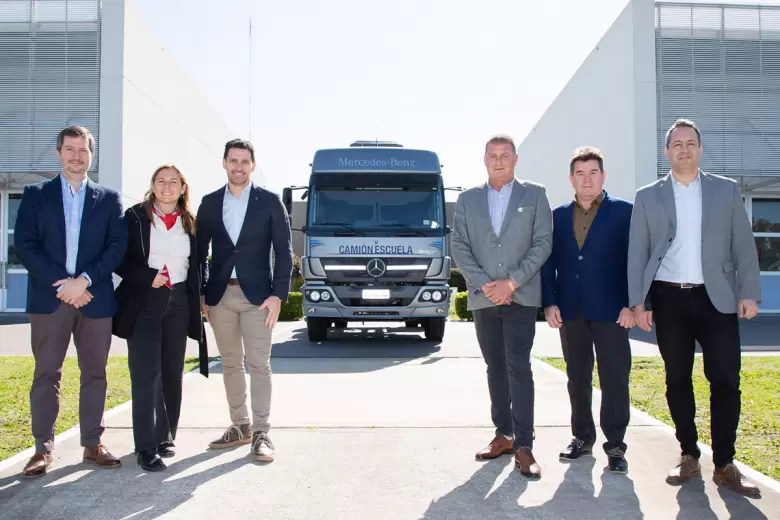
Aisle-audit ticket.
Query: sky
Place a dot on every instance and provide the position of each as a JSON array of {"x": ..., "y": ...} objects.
[{"x": 433, "y": 74}]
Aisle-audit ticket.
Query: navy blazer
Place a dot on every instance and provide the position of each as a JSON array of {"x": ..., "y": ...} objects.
[
  {"x": 266, "y": 224},
  {"x": 39, "y": 238},
  {"x": 594, "y": 278}
]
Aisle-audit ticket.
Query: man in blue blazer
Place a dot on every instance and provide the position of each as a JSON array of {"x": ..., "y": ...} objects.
[
  {"x": 70, "y": 236},
  {"x": 242, "y": 292},
  {"x": 585, "y": 295}
]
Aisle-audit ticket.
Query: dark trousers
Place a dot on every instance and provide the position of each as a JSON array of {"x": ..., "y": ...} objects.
[
  {"x": 156, "y": 358},
  {"x": 682, "y": 317},
  {"x": 506, "y": 334},
  {"x": 613, "y": 353},
  {"x": 50, "y": 334}
]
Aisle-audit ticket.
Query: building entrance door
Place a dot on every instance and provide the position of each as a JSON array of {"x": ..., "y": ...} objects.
[{"x": 13, "y": 276}]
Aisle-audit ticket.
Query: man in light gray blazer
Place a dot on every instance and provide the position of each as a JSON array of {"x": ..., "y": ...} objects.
[
  {"x": 502, "y": 235},
  {"x": 693, "y": 269}
]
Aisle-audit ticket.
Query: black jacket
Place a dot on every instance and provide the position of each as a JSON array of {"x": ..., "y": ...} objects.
[
  {"x": 266, "y": 224},
  {"x": 137, "y": 278}
]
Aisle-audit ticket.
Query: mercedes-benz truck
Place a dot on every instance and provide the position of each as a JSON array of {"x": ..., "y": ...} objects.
[{"x": 375, "y": 247}]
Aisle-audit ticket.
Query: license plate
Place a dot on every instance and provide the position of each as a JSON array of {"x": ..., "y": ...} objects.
[{"x": 376, "y": 294}]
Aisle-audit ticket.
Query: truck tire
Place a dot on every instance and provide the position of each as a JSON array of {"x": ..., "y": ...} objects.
[
  {"x": 317, "y": 329},
  {"x": 434, "y": 328}
]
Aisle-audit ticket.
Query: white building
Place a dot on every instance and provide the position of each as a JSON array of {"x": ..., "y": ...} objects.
[
  {"x": 97, "y": 64},
  {"x": 717, "y": 64}
]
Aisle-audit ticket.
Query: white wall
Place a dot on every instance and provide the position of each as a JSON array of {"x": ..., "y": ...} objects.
[
  {"x": 164, "y": 117},
  {"x": 608, "y": 103}
]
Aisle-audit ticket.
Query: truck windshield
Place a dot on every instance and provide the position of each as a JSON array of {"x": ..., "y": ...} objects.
[{"x": 415, "y": 207}]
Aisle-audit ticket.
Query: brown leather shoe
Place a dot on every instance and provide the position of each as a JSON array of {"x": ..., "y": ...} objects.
[
  {"x": 497, "y": 447},
  {"x": 733, "y": 478},
  {"x": 38, "y": 465},
  {"x": 525, "y": 462},
  {"x": 686, "y": 468},
  {"x": 99, "y": 456}
]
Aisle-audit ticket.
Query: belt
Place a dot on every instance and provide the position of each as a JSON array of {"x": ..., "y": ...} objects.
[
  {"x": 681, "y": 285},
  {"x": 233, "y": 281}
]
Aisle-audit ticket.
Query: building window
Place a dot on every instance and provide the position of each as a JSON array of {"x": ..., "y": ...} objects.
[{"x": 766, "y": 231}]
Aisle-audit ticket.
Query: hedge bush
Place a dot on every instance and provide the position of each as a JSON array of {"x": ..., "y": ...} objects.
[
  {"x": 461, "y": 306},
  {"x": 457, "y": 280},
  {"x": 292, "y": 309}
]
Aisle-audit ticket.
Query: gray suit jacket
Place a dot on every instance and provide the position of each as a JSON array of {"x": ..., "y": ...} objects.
[
  {"x": 729, "y": 256},
  {"x": 519, "y": 251}
]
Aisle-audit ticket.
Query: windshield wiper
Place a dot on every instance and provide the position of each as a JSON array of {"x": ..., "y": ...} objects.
[
  {"x": 419, "y": 233},
  {"x": 342, "y": 225}
]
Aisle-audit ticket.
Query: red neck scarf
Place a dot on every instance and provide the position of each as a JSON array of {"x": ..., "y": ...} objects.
[{"x": 168, "y": 220}]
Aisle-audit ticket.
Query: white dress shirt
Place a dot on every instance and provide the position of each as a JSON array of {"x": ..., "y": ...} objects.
[
  {"x": 233, "y": 213},
  {"x": 682, "y": 263},
  {"x": 498, "y": 202},
  {"x": 169, "y": 247}
]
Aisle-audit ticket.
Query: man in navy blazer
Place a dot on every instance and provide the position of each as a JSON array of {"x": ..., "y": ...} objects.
[
  {"x": 70, "y": 236},
  {"x": 242, "y": 292},
  {"x": 585, "y": 295}
]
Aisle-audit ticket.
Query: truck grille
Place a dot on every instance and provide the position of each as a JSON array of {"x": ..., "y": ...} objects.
[{"x": 401, "y": 270}]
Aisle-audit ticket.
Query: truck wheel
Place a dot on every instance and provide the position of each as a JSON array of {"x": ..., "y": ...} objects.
[
  {"x": 434, "y": 328},
  {"x": 317, "y": 329}
]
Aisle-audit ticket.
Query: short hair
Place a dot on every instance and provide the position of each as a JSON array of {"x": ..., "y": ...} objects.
[
  {"x": 76, "y": 131},
  {"x": 501, "y": 139},
  {"x": 241, "y": 144},
  {"x": 584, "y": 154},
  {"x": 682, "y": 123}
]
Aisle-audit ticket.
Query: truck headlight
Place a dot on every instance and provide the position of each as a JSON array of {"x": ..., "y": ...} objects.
[
  {"x": 426, "y": 296},
  {"x": 437, "y": 296},
  {"x": 325, "y": 296},
  {"x": 314, "y": 296}
]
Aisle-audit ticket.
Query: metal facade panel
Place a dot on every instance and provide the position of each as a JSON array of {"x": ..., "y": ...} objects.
[
  {"x": 49, "y": 78},
  {"x": 720, "y": 66}
]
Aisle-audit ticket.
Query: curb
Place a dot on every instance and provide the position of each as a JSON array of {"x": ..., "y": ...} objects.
[
  {"x": 72, "y": 432},
  {"x": 67, "y": 434},
  {"x": 749, "y": 472}
]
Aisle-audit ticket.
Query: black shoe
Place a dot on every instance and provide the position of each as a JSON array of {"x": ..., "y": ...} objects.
[
  {"x": 617, "y": 461},
  {"x": 576, "y": 448},
  {"x": 150, "y": 461},
  {"x": 166, "y": 450}
]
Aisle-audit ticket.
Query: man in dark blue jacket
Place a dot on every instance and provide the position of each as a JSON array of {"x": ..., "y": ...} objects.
[
  {"x": 585, "y": 294},
  {"x": 243, "y": 293},
  {"x": 70, "y": 236}
]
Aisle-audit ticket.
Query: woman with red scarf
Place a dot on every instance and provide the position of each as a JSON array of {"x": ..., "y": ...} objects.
[{"x": 158, "y": 309}]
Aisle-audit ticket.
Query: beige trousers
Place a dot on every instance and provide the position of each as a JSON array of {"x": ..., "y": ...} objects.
[{"x": 239, "y": 328}]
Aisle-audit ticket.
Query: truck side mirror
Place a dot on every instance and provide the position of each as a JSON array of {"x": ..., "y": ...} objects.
[{"x": 287, "y": 201}]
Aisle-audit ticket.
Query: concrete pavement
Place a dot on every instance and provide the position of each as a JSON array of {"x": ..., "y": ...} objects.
[
  {"x": 760, "y": 336},
  {"x": 381, "y": 428}
]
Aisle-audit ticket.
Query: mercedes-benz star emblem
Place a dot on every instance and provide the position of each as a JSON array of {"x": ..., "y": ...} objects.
[{"x": 375, "y": 267}]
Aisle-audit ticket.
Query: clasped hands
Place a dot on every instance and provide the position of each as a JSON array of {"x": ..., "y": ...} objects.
[
  {"x": 500, "y": 291},
  {"x": 74, "y": 291}
]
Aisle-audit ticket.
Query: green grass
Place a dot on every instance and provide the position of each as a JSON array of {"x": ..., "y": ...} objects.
[
  {"x": 758, "y": 437},
  {"x": 16, "y": 374}
]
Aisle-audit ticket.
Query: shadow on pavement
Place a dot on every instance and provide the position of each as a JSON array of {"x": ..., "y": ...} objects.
[
  {"x": 128, "y": 492},
  {"x": 359, "y": 342},
  {"x": 574, "y": 497}
]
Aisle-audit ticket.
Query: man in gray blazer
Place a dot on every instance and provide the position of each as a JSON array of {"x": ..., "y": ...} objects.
[
  {"x": 502, "y": 235},
  {"x": 693, "y": 268}
]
